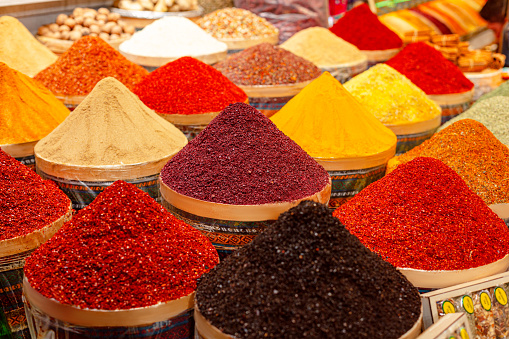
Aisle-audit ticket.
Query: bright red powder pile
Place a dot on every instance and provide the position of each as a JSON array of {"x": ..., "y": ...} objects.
[
  {"x": 424, "y": 216},
  {"x": 188, "y": 86},
  {"x": 122, "y": 251},
  {"x": 242, "y": 158},
  {"x": 429, "y": 70},
  {"x": 27, "y": 203},
  {"x": 362, "y": 28}
]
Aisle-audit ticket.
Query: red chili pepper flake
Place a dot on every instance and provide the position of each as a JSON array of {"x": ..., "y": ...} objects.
[
  {"x": 84, "y": 64},
  {"x": 362, "y": 28},
  {"x": 265, "y": 64},
  {"x": 122, "y": 251},
  {"x": 242, "y": 158},
  {"x": 188, "y": 86},
  {"x": 27, "y": 203},
  {"x": 429, "y": 70},
  {"x": 473, "y": 152},
  {"x": 424, "y": 216}
]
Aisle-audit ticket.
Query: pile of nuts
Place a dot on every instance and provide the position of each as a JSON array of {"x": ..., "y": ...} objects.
[
  {"x": 157, "y": 5},
  {"x": 88, "y": 21}
]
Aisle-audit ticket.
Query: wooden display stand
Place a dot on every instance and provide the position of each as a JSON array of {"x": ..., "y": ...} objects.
[{"x": 453, "y": 325}]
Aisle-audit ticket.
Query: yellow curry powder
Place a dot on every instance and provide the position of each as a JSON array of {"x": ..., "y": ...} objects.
[
  {"x": 391, "y": 97},
  {"x": 328, "y": 122},
  {"x": 28, "y": 110}
]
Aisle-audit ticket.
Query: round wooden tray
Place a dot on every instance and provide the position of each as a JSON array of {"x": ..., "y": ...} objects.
[
  {"x": 346, "y": 164},
  {"x": 246, "y": 43},
  {"x": 152, "y": 15},
  {"x": 19, "y": 150},
  {"x": 150, "y": 61},
  {"x": 381, "y": 56},
  {"x": 416, "y": 127},
  {"x": 236, "y": 212},
  {"x": 274, "y": 91},
  {"x": 442, "y": 279},
  {"x": 101, "y": 173},
  {"x": 35, "y": 239},
  {"x": 452, "y": 99},
  {"x": 59, "y": 46},
  {"x": 206, "y": 330},
  {"x": 106, "y": 318}
]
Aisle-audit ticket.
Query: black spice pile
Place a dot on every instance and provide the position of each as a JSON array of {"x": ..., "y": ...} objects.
[
  {"x": 307, "y": 276},
  {"x": 242, "y": 158}
]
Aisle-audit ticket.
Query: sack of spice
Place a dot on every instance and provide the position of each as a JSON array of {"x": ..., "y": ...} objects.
[
  {"x": 237, "y": 176},
  {"x": 28, "y": 112},
  {"x": 31, "y": 211},
  {"x": 110, "y": 136},
  {"x": 399, "y": 104},
  {"x": 298, "y": 278},
  {"x": 269, "y": 75},
  {"x": 332, "y": 54},
  {"x": 121, "y": 268},
  {"x": 340, "y": 133}
]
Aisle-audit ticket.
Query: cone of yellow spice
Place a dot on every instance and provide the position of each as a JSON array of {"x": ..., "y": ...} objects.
[
  {"x": 399, "y": 104},
  {"x": 28, "y": 112},
  {"x": 339, "y": 132}
]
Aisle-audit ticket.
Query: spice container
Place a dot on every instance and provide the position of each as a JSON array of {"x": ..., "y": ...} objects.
[
  {"x": 269, "y": 75},
  {"x": 105, "y": 139},
  {"x": 171, "y": 92},
  {"x": 142, "y": 18},
  {"x": 406, "y": 218},
  {"x": 237, "y": 176},
  {"x": 484, "y": 82},
  {"x": 398, "y": 104},
  {"x": 453, "y": 104},
  {"x": 376, "y": 57},
  {"x": 31, "y": 211},
  {"x": 24, "y": 153},
  {"x": 340, "y": 134},
  {"x": 135, "y": 277},
  {"x": 170, "y": 38},
  {"x": 300, "y": 247}
]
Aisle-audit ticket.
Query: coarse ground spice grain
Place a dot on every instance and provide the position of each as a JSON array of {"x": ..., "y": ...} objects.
[
  {"x": 430, "y": 70},
  {"x": 241, "y": 158},
  {"x": 188, "y": 86},
  {"x": 307, "y": 276},
  {"x": 265, "y": 64},
  {"x": 27, "y": 203},
  {"x": 424, "y": 216},
  {"x": 84, "y": 64},
  {"x": 122, "y": 251},
  {"x": 471, "y": 150}
]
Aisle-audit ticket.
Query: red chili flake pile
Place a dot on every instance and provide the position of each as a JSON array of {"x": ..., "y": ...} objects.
[
  {"x": 265, "y": 64},
  {"x": 473, "y": 152},
  {"x": 362, "y": 28},
  {"x": 424, "y": 216},
  {"x": 242, "y": 158},
  {"x": 122, "y": 251},
  {"x": 84, "y": 64},
  {"x": 429, "y": 70},
  {"x": 27, "y": 203},
  {"x": 188, "y": 86}
]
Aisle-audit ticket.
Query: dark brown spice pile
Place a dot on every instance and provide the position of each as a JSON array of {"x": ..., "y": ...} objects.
[
  {"x": 265, "y": 64},
  {"x": 242, "y": 158},
  {"x": 307, "y": 276}
]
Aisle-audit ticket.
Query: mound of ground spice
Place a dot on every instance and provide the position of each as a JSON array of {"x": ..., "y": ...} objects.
[
  {"x": 362, "y": 28},
  {"x": 328, "y": 122},
  {"x": 84, "y": 64},
  {"x": 424, "y": 216},
  {"x": 20, "y": 50},
  {"x": 429, "y": 70},
  {"x": 28, "y": 110},
  {"x": 188, "y": 86},
  {"x": 111, "y": 127},
  {"x": 122, "y": 251},
  {"x": 265, "y": 64},
  {"x": 241, "y": 158},
  {"x": 27, "y": 203},
  {"x": 471, "y": 150},
  {"x": 307, "y": 276}
]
